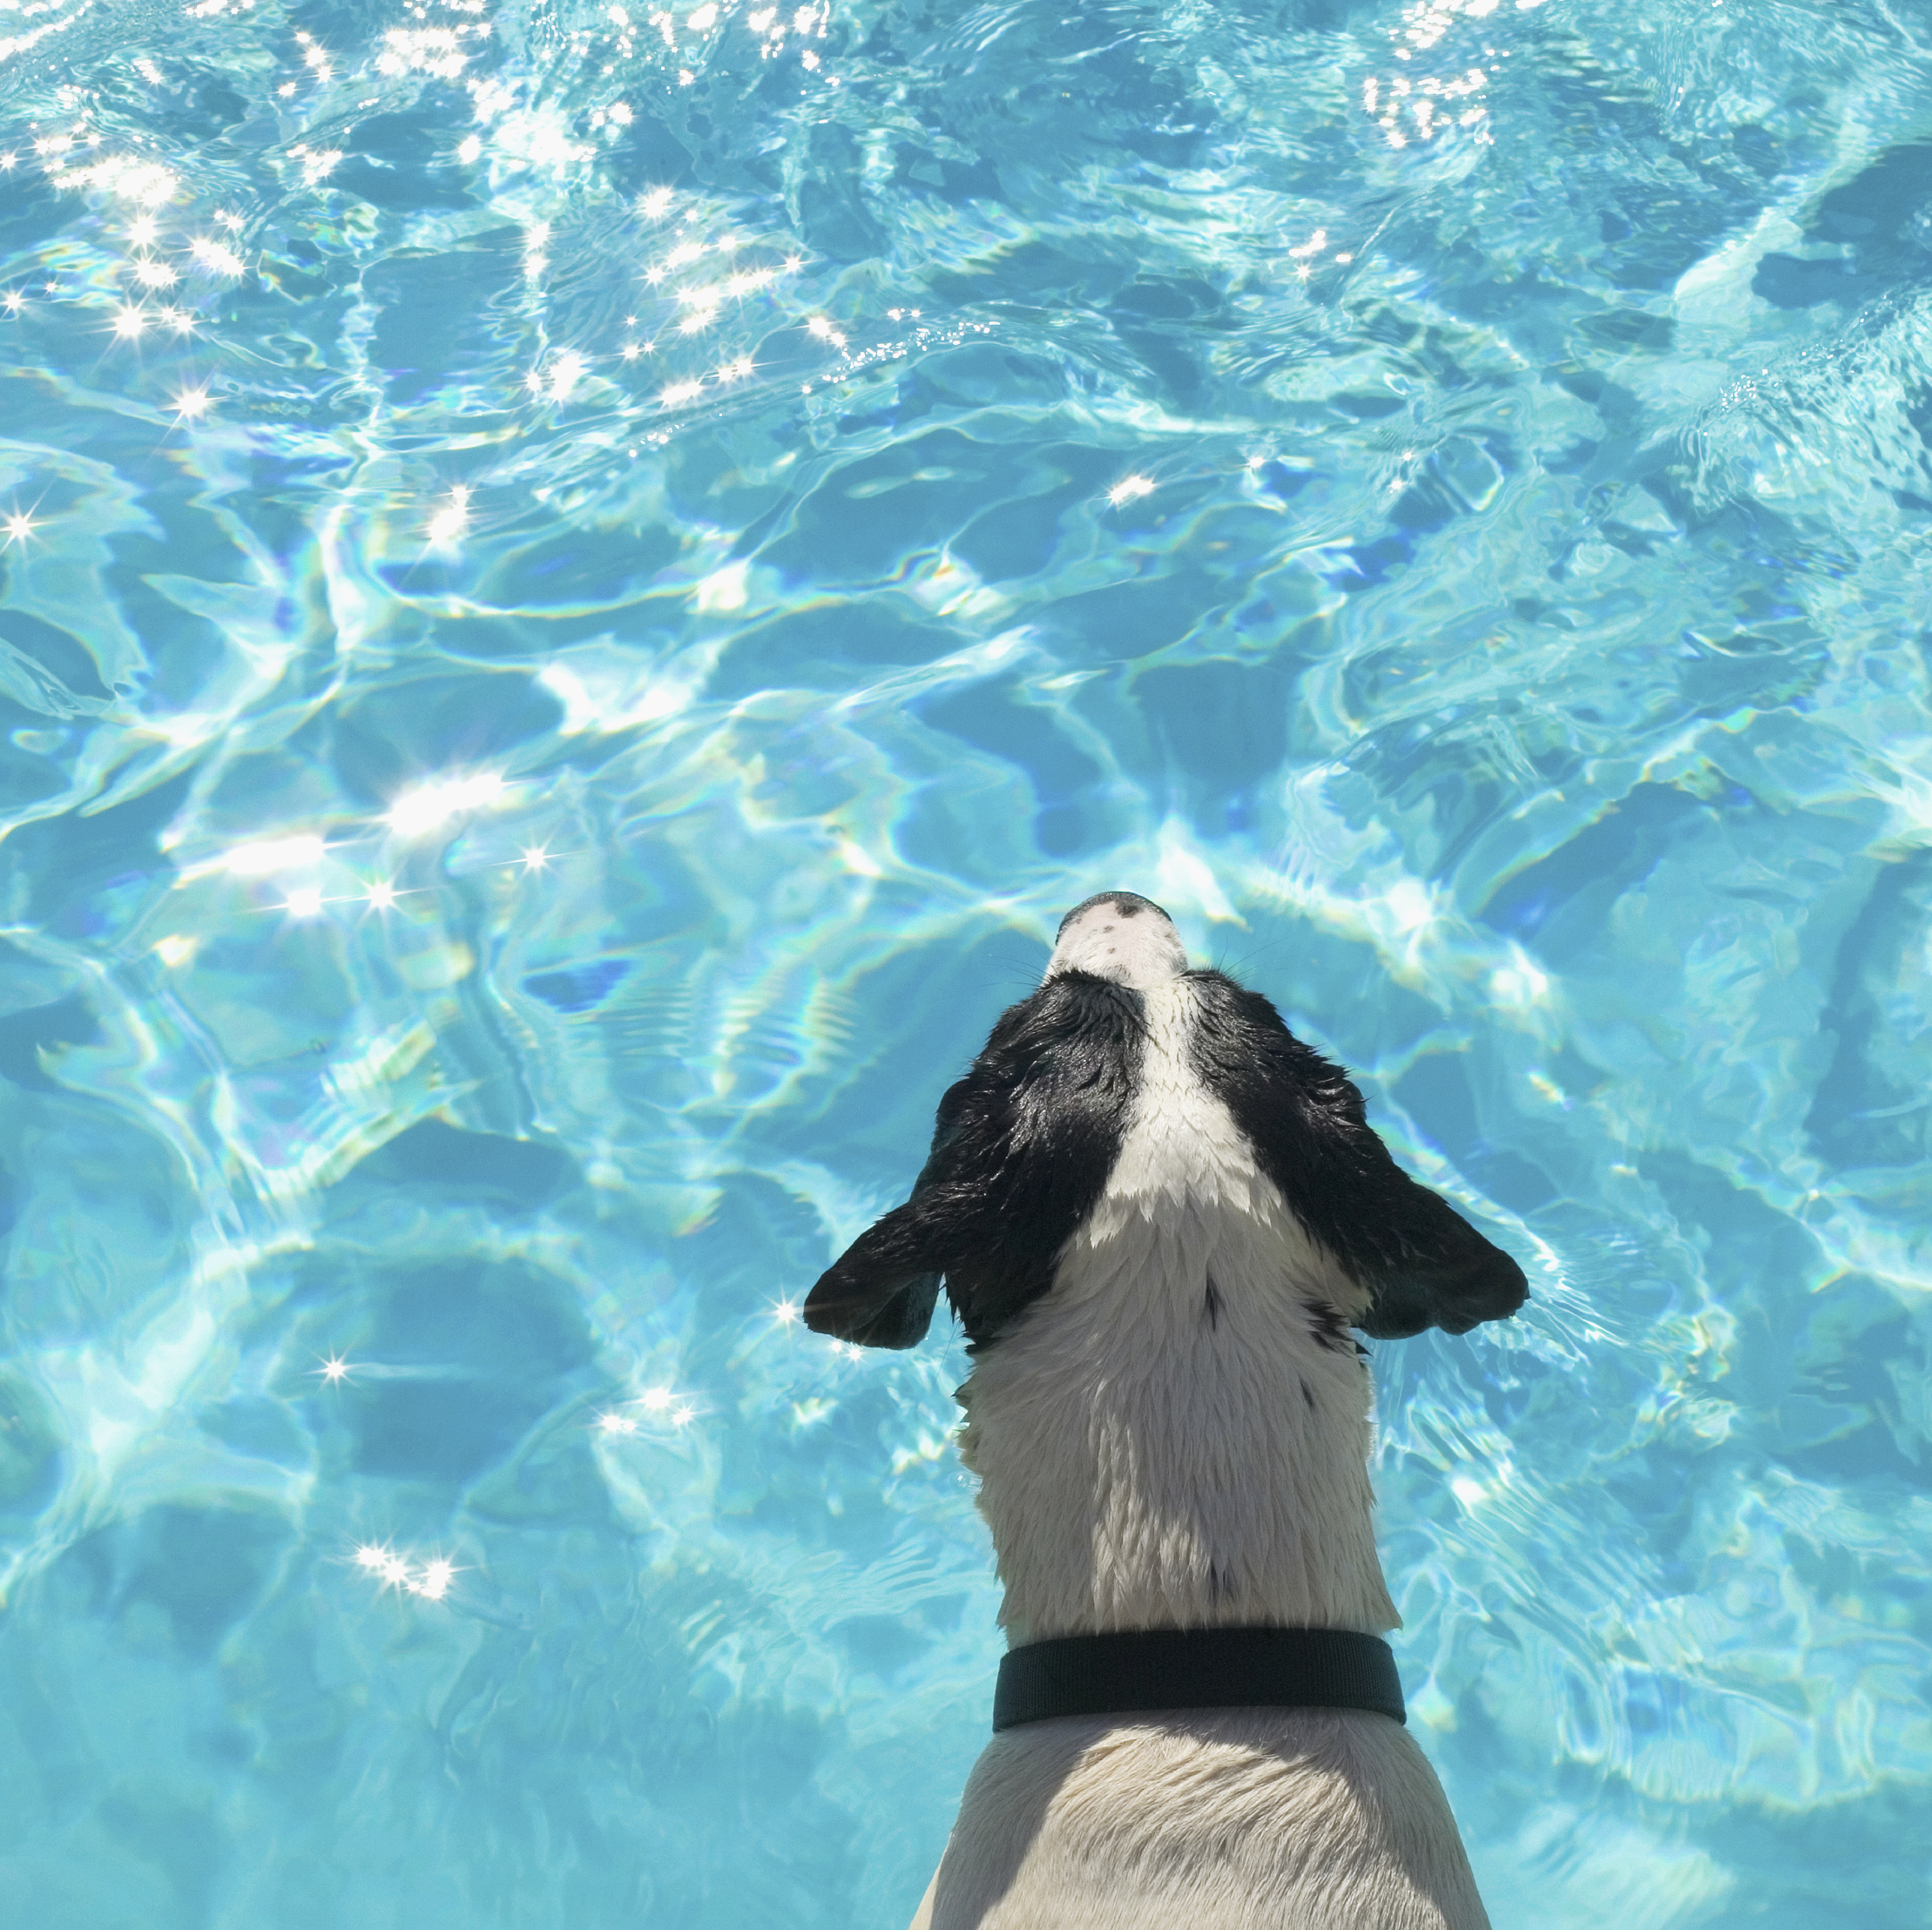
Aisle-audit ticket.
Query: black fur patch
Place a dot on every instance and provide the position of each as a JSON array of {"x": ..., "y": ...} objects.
[
  {"x": 1020, "y": 1156},
  {"x": 1423, "y": 1264},
  {"x": 1211, "y": 1305},
  {"x": 1329, "y": 1327}
]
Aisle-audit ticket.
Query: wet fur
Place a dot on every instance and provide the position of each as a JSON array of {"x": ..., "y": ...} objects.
[
  {"x": 1158, "y": 1214},
  {"x": 1205, "y": 1819},
  {"x": 1146, "y": 1463}
]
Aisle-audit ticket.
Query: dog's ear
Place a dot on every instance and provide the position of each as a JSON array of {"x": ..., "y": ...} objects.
[
  {"x": 1021, "y": 1151},
  {"x": 1467, "y": 1282},
  {"x": 1423, "y": 1263},
  {"x": 879, "y": 1292}
]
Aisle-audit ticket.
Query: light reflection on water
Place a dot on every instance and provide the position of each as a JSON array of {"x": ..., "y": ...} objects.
[{"x": 581, "y": 585}]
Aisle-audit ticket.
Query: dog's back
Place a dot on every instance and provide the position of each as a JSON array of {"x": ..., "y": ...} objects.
[
  {"x": 1176, "y": 1436},
  {"x": 1205, "y": 1819}
]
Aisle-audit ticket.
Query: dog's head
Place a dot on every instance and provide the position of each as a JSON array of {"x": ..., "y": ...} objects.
[{"x": 1026, "y": 1141}]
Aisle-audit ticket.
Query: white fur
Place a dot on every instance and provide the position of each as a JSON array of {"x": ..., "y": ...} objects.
[
  {"x": 1139, "y": 947},
  {"x": 1205, "y": 1819},
  {"x": 1142, "y": 1466}
]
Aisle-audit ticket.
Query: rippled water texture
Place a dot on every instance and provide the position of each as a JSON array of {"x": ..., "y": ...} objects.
[{"x": 582, "y": 586}]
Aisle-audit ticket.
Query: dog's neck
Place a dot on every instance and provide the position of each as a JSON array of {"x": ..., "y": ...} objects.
[{"x": 1177, "y": 1435}]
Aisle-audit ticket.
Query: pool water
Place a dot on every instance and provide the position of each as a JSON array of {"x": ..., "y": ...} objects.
[{"x": 579, "y": 588}]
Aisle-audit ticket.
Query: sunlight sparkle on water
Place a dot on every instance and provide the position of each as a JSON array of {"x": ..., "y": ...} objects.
[
  {"x": 449, "y": 521},
  {"x": 263, "y": 857},
  {"x": 433, "y": 1581},
  {"x": 1520, "y": 984},
  {"x": 216, "y": 256},
  {"x": 1411, "y": 906},
  {"x": 427, "y": 808}
]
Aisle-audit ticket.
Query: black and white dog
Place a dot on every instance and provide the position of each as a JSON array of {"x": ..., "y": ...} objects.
[{"x": 1157, "y": 1215}]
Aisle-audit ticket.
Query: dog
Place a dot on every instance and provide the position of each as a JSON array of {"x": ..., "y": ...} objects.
[{"x": 1157, "y": 1215}]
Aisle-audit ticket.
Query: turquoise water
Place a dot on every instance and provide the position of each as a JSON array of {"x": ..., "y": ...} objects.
[{"x": 581, "y": 587}]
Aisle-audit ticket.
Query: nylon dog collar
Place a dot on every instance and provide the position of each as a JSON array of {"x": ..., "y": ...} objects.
[{"x": 1112, "y": 1675}]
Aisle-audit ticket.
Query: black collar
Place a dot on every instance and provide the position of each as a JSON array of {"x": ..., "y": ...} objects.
[{"x": 1149, "y": 1669}]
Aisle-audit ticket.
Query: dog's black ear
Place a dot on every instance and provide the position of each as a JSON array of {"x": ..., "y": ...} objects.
[
  {"x": 1447, "y": 1276},
  {"x": 1020, "y": 1151},
  {"x": 880, "y": 1292},
  {"x": 1422, "y": 1262},
  {"x": 870, "y": 1315}
]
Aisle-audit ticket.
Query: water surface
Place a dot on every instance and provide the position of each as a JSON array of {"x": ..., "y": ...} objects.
[{"x": 580, "y": 586}]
